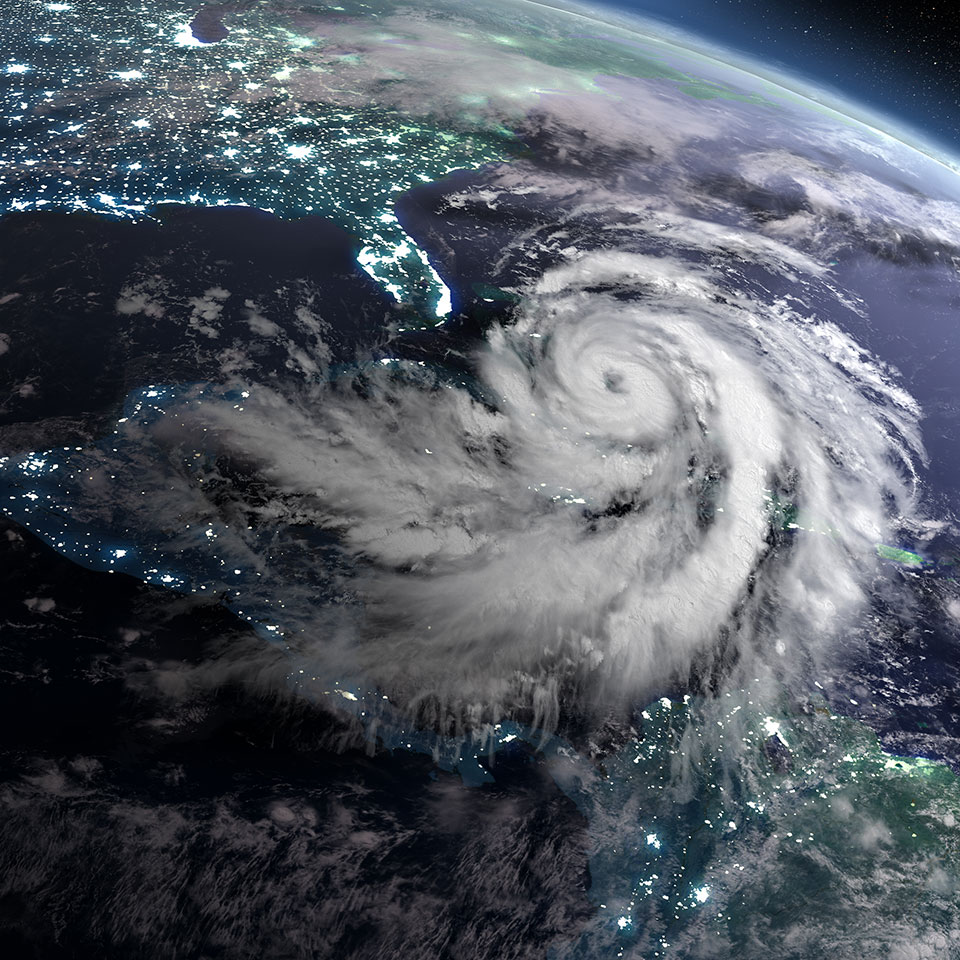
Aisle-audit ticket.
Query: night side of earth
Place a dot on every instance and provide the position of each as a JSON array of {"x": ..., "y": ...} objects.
[{"x": 476, "y": 481}]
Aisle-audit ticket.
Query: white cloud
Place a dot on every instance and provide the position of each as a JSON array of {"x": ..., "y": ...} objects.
[{"x": 559, "y": 533}]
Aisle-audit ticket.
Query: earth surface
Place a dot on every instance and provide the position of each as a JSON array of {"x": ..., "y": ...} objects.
[{"x": 477, "y": 480}]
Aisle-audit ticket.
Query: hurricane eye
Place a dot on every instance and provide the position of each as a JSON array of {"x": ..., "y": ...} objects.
[{"x": 613, "y": 381}]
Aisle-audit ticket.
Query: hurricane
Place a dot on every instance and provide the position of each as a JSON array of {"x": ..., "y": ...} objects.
[{"x": 646, "y": 477}]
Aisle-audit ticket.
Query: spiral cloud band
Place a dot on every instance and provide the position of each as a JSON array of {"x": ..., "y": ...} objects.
[{"x": 650, "y": 471}]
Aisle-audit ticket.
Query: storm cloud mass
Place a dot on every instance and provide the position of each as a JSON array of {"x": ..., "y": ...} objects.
[{"x": 607, "y": 499}]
